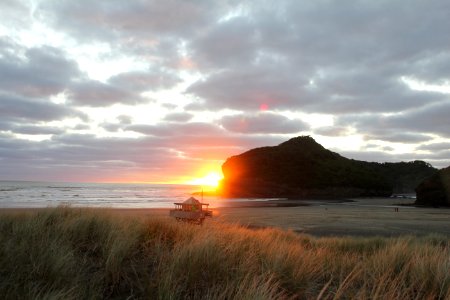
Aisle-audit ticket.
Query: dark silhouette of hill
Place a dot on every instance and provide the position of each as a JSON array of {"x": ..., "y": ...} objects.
[
  {"x": 435, "y": 190},
  {"x": 302, "y": 168}
]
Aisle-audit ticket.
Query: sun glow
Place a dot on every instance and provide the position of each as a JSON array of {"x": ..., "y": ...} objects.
[{"x": 211, "y": 179}]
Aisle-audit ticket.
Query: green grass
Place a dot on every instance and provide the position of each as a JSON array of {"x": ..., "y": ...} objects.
[{"x": 69, "y": 253}]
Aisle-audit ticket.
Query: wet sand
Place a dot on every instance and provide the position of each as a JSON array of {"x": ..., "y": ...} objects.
[
  {"x": 361, "y": 217},
  {"x": 357, "y": 217}
]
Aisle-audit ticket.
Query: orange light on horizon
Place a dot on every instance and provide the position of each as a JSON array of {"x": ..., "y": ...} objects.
[{"x": 211, "y": 180}]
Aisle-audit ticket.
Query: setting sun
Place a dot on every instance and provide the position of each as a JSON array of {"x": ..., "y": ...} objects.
[{"x": 211, "y": 179}]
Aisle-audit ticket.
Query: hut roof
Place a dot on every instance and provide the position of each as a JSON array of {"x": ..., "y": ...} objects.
[{"x": 192, "y": 201}]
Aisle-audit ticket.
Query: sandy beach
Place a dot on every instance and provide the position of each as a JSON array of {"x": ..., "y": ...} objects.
[
  {"x": 362, "y": 217},
  {"x": 356, "y": 217}
]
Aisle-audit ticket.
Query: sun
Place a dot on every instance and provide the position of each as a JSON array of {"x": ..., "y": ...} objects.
[{"x": 211, "y": 179}]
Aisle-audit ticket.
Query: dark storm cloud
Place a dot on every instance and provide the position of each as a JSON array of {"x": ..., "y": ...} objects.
[{"x": 262, "y": 123}]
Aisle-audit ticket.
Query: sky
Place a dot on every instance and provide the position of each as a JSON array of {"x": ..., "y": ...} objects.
[{"x": 165, "y": 91}]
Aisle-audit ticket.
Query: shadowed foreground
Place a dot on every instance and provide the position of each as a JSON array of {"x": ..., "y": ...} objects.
[{"x": 72, "y": 253}]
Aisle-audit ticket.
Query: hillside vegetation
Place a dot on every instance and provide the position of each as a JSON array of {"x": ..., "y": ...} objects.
[
  {"x": 83, "y": 254},
  {"x": 302, "y": 168},
  {"x": 435, "y": 190}
]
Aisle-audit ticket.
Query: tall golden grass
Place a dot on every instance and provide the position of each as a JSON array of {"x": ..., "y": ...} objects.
[{"x": 69, "y": 253}]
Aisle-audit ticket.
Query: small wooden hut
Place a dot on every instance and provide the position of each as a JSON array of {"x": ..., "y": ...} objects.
[{"x": 191, "y": 211}]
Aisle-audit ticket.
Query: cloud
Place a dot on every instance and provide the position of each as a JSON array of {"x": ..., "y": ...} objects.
[
  {"x": 96, "y": 93},
  {"x": 323, "y": 57},
  {"x": 19, "y": 109},
  {"x": 111, "y": 127},
  {"x": 367, "y": 91},
  {"x": 124, "y": 119},
  {"x": 382, "y": 156},
  {"x": 255, "y": 59},
  {"x": 269, "y": 123},
  {"x": 178, "y": 117},
  {"x": 431, "y": 119},
  {"x": 227, "y": 44},
  {"x": 332, "y": 131},
  {"x": 399, "y": 137},
  {"x": 36, "y": 130},
  {"x": 435, "y": 147},
  {"x": 437, "y": 160},
  {"x": 145, "y": 28},
  {"x": 84, "y": 157},
  {"x": 135, "y": 17},
  {"x": 248, "y": 89},
  {"x": 140, "y": 81},
  {"x": 81, "y": 127},
  {"x": 15, "y": 13},
  {"x": 39, "y": 72},
  {"x": 57, "y": 74},
  {"x": 169, "y": 129}
]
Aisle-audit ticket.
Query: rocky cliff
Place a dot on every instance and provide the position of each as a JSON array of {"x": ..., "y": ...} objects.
[{"x": 302, "y": 168}]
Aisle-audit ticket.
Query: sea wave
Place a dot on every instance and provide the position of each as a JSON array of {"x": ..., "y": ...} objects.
[{"x": 43, "y": 194}]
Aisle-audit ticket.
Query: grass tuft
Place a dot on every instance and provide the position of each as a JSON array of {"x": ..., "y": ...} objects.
[{"x": 68, "y": 253}]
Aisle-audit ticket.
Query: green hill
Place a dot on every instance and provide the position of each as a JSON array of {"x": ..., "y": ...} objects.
[{"x": 302, "y": 168}]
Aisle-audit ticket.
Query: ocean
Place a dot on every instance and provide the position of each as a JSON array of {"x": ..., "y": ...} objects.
[{"x": 18, "y": 194}]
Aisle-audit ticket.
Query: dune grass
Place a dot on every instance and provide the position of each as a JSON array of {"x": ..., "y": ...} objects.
[{"x": 68, "y": 253}]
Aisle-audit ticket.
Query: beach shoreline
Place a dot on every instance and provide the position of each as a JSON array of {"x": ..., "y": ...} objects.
[{"x": 363, "y": 217}]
